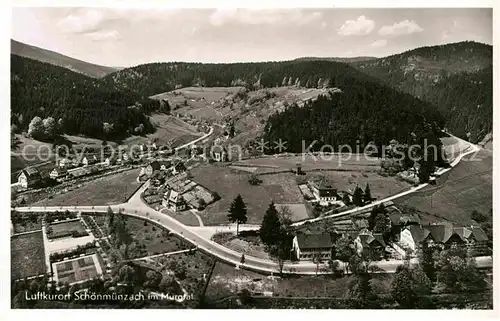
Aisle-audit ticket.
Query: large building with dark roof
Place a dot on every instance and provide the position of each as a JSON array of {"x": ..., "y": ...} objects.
[{"x": 307, "y": 246}]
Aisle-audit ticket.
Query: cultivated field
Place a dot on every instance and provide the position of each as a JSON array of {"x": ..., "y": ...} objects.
[
  {"x": 27, "y": 255},
  {"x": 112, "y": 189},
  {"x": 228, "y": 183},
  {"x": 81, "y": 269},
  {"x": 467, "y": 187}
]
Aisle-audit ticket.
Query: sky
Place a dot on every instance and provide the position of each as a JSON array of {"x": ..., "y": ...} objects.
[{"x": 123, "y": 37}]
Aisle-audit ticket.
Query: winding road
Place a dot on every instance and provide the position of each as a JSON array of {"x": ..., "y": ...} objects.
[{"x": 136, "y": 208}]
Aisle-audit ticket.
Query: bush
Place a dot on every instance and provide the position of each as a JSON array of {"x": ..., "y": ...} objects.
[{"x": 254, "y": 180}]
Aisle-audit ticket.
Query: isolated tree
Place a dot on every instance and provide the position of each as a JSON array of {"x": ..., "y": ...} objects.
[
  {"x": 36, "y": 128},
  {"x": 367, "y": 195},
  {"x": 360, "y": 293},
  {"x": 290, "y": 81},
  {"x": 270, "y": 229},
  {"x": 107, "y": 128},
  {"x": 410, "y": 287},
  {"x": 317, "y": 259},
  {"x": 237, "y": 212},
  {"x": 320, "y": 83},
  {"x": 358, "y": 196},
  {"x": 50, "y": 127},
  {"x": 284, "y": 82}
]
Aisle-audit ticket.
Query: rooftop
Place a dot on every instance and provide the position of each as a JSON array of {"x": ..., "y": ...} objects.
[{"x": 314, "y": 241}]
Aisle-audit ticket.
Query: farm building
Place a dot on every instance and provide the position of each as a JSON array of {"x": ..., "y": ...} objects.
[
  {"x": 29, "y": 177},
  {"x": 156, "y": 166}
]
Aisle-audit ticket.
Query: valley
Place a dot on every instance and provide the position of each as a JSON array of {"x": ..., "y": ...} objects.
[{"x": 177, "y": 211}]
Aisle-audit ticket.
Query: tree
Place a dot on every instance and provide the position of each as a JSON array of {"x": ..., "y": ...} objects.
[
  {"x": 36, "y": 128},
  {"x": 127, "y": 275},
  {"x": 410, "y": 287},
  {"x": 254, "y": 180},
  {"x": 358, "y": 196},
  {"x": 168, "y": 284},
  {"x": 458, "y": 272},
  {"x": 50, "y": 127},
  {"x": 237, "y": 212},
  {"x": 270, "y": 229},
  {"x": 201, "y": 204},
  {"x": 426, "y": 259},
  {"x": 360, "y": 293},
  {"x": 367, "y": 196},
  {"x": 344, "y": 250},
  {"x": 382, "y": 223},
  {"x": 153, "y": 279}
]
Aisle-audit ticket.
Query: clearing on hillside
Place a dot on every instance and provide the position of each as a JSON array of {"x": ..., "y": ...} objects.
[{"x": 465, "y": 188}]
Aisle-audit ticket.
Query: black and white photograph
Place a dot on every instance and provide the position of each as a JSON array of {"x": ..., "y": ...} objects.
[{"x": 316, "y": 158}]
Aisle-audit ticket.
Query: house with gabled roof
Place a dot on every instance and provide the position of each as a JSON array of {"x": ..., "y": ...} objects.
[
  {"x": 323, "y": 191},
  {"x": 174, "y": 201},
  {"x": 367, "y": 240},
  {"x": 307, "y": 246},
  {"x": 412, "y": 235},
  {"x": 58, "y": 173},
  {"x": 89, "y": 160},
  {"x": 29, "y": 177}
]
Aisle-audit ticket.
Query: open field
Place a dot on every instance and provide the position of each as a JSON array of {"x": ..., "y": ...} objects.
[
  {"x": 467, "y": 187},
  {"x": 229, "y": 182},
  {"x": 168, "y": 129},
  {"x": 80, "y": 269},
  {"x": 112, "y": 189},
  {"x": 27, "y": 255},
  {"x": 345, "y": 162}
]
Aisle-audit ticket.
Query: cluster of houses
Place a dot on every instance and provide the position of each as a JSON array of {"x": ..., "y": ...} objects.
[
  {"x": 407, "y": 236},
  {"x": 177, "y": 191}
]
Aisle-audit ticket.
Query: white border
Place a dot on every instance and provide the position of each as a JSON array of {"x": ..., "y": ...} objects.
[{"x": 5, "y": 14}]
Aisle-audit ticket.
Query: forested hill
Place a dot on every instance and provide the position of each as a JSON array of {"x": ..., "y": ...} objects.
[
  {"x": 81, "y": 104},
  {"x": 337, "y": 59},
  {"x": 151, "y": 79},
  {"x": 428, "y": 72},
  {"x": 363, "y": 111},
  {"x": 51, "y": 57},
  {"x": 466, "y": 101}
]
